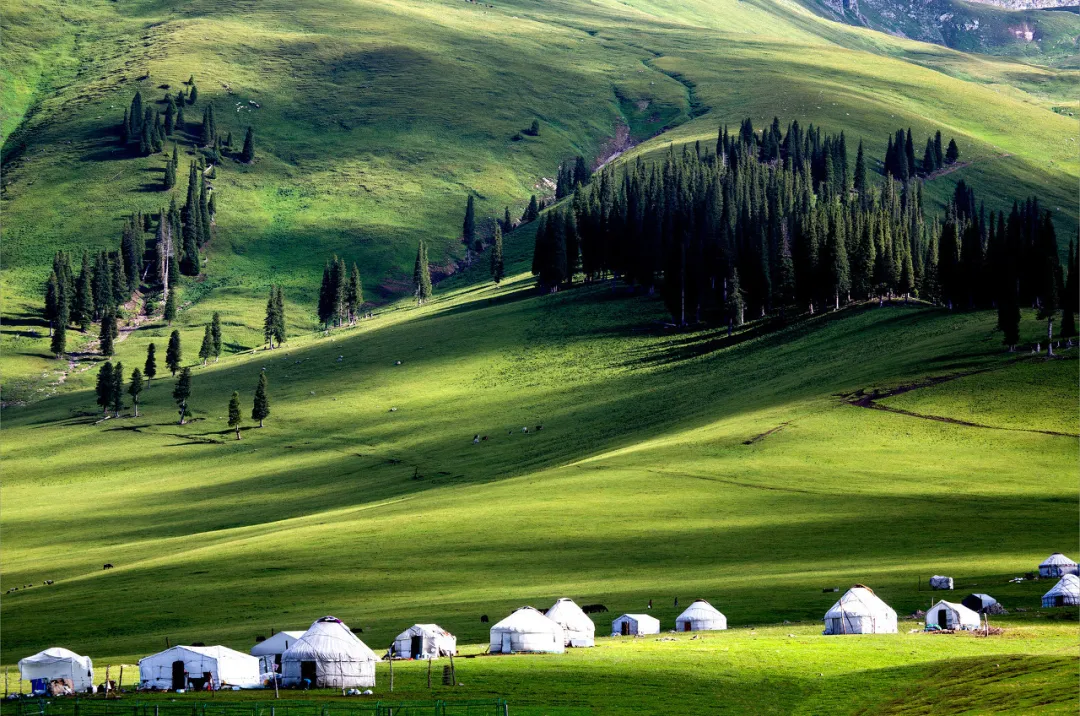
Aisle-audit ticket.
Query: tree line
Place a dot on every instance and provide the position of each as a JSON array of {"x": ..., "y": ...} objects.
[{"x": 774, "y": 220}]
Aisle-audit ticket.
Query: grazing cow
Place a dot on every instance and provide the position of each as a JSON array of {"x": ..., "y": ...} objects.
[
  {"x": 484, "y": 438},
  {"x": 483, "y": 619},
  {"x": 594, "y": 608},
  {"x": 539, "y": 428},
  {"x": 107, "y": 566}
]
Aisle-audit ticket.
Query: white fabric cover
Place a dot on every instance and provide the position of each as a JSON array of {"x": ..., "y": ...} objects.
[
  {"x": 527, "y": 630},
  {"x": 270, "y": 648},
  {"x": 341, "y": 659},
  {"x": 578, "y": 629},
  {"x": 701, "y": 616},
  {"x": 436, "y": 642},
  {"x": 1057, "y": 565},
  {"x": 860, "y": 611},
  {"x": 957, "y": 616},
  {"x": 636, "y": 624},
  {"x": 939, "y": 582},
  {"x": 1067, "y": 588},
  {"x": 226, "y": 667},
  {"x": 59, "y": 663}
]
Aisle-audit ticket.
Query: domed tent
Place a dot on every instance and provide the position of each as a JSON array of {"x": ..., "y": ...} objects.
[
  {"x": 198, "y": 667},
  {"x": 701, "y": 616},
  {"x": 328, "y": 655},
  {"x": 424, "y": 641},
  {"x": 635, "y": 624},
  {"x": 527, "y": 630},
  {"x": 578, "y": 629},
  {"x": 1057, "y": 565},
  {"x": 270, "y": 650},
  {"x": 58, "y": 663},
  {"x": 860, "y": 611},
  {"x": 948, "y": 615},
  {"x": 1065, "y": 593}
]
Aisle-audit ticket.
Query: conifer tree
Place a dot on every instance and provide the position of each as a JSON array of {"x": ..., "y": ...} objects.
[
  {"x": 1071, "y": 297},
  {"x": 952, "y": 153},
  {"x": 182, "y": 392},
  {"x": 181, "y": 124},
  {"x": 508, "y": 223},
  {"x": 82, "y": 310},
  {"x": 170, "y": 116},
  {"x": 421, "y": 275},
  {"x": 270, "y": 319},
  {"x": 532, "y": 212},
  {"x": 909, "y": 153},
  {"x": 939, "y": 153},
  {"x": 120, "y": 292},
  {"x": 1049, "y": 275},
  {"x": 1008, "y": 315},
  {"x": 206, "y": 350},
  {"x": 136, "y": 113},
  {"x": 146, "y": 143},
  {"x": 170, "y": 307},
  {"x": 735, "y": 303},
  {"x": 174, "y": 353},
  {"x": 193, "y": 94},
  {"x": 215, "y": 334},
  {"x": 103, "y": 388},
  {"x": 261, "y": 409},
  {"x": 497, "y": 268},
  {"x": 247, "y": 155},
  {"x": 860, "y": 175},
  {"x": 209, "y": 131},
  {"x": 117, "y": 389},
  {"x": 234, "y": 413},
  {"x": 108, "y": 334},
  {"x": 52, "y": 300},
  {"x": 150, "y": 367},
  {"x": 125, "y": 129},
  {"x": 58, "y": 344},
  {"x": 468, "y": 227},
  {"x": 135, "y": 387},
  {"x": 928, "y": 157},
  {"x": 279, "y": 315},
  {"x": 101, "y": 286},
  {"x": 354, "y": 295},
  {"x": 534, "y": 128}
]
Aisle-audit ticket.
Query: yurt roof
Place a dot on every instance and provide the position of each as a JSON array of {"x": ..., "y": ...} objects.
[
  {"x": 859, "y": 601},
  {"x": 329, "y": 637},
  {"x": 276, "y": 643},
  {"x": 1057, "y": 558},
  {"x": 639, "y": 618},
  {"x": 213, "y": 652},
  {"x": 55, "y": 654},
  {"x": 568, "y": 614},
  {"x": 700, "y": 609},
  {"x": 527, "y": 620},
  {"x": 1069, "y": 584},
  {"x": 428, "y": 629}
]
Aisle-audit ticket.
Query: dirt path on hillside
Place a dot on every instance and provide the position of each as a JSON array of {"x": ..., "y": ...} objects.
[{"x": 862, "y": 399}]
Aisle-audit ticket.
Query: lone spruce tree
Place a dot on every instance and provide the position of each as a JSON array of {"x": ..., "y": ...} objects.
[
  {"x": 270, "y": 319},
  {"x": 215, "y": 334},
  {"x": 117, "y": 392},
  {"x": 421, "y": 275},
  {"x": 261, "y": 409},
  {"x": 58, "y": 344},
  {"x": 170, "y": 307},
  {"x": 354, "y": 294},
  {"x": 234, "y": 413},
  {"x": 108, "y": 332},
  {"x": 497, "y": 268},
  {"x": 206, "y": 350},
  {"x": 174, "y": 354},
  {"x": 134, "y": 388},
  {"x": 279, "y": 315},
  {"x": 182, "y": 392},
  {"x": 247, "y": 155},
  {"x": 150, "y": 366},
  {"x": 468, "y": 227},
  {"x": 103, "y": 387}
]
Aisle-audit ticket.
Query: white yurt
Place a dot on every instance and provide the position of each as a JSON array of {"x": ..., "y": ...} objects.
[
  {"x": 527, "y": 630},
  {"x": 1057, "y": 565},
  {"x": 424, "y": 641},
  {"x": 860, "y": 611},
  {"x": 58, "y": 663},
  {"x": 979, "y": 602},
  {"x": 270, "y": 650},
  {"x": 199, "y": 667},
  {"x": 948, "y": 615},
  {"x": 701, "y": 616},
  {"x": 578, "y": 629},
  {"x": 329, "y": 655},
  {"x": 1065, "y": 593},
  {"x": 634, "y": 625}
]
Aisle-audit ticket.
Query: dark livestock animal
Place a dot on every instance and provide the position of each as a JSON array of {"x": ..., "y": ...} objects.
[
  {"x": 594, "y": 608},
  {"x": 483, "y": 619}
]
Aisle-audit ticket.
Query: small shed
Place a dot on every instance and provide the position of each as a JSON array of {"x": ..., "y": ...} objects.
[
  {"x": 198, "y": 668},
  {"x": 948, "y": 615},
  {"x": 940, "y": 582},
  {"x": 578, "y": 628},
  {"x": 979, "y": 603},
  {"x": 1066, "y": 593},
  {"x": 424, "y": 641},
  {"x": 701, "y": 616},
  {"x": 527, "y": 630},
  {"x": 328, "y": 656},
  {"x": 860, "y": 611},
  {"x": 58, "y": 663},
  {"x": 270, "y": 650},
  {"x": 635, "y": 625},
  {"x": 1057, "y": 565}
]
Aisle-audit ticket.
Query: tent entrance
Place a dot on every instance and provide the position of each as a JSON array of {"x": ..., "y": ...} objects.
[
  {"x": 309, "y": 672},
  {"x": 687, "y": 626},
  {"x": 626, "y": 628},
  {"x": 179, "y": 675},
  {"x": 507, "y": 644},
  {"x": 416, "y": 647},
  {"x": 943, "y": 618},
  {"x": 1059, "y": 600}
]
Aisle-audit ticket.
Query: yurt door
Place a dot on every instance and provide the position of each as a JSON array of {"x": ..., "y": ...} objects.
[
  {"x": 309, "y": 672},
  {"x": 943, "y": 618},
  {"x": 416, "y": 647},
  {"x": 178, "y": 674},
  {"x": 687, "y": 625},
  {"x": 507, "y": 644},
  {"x": 626, "y": 628}
]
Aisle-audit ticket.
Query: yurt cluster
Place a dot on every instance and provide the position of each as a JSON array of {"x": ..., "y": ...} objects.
[{"x": 330, "y": 655}]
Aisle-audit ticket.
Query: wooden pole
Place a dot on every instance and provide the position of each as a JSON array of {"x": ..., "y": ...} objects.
[
  {"x": 107, "y": 667},
  {"x": 6, "y": 683},
  {"x": 428, "y": 672},
  {"x": 120, "y": 683},
  {"x": 453, "y": 671},
  {"x": 276, "y": 694},
  {"x": 391, "y": 659}
]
